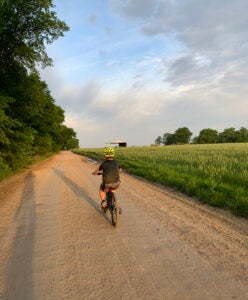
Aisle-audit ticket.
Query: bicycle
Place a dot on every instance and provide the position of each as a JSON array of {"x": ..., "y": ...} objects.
[{"x": 112, "y": 206}]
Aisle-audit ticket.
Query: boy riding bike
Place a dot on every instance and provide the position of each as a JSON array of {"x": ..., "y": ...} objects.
[{"x": 110, "y": 170}]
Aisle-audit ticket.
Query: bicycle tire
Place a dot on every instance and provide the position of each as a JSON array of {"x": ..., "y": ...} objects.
[{"x": 114, "y": 210}]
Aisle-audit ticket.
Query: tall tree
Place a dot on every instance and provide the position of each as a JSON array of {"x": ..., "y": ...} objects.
[
  {"x": 228, "y": 135},
  {"x": 207, "y": 136},
  {"x": 158, "y": 140},
  {"x": 66, "y": 138},
  {"x": 182, "y": 135},
  {"x": 242, "y": 135},
  {"x": 30, "y": 121},
  {"x": 25, "y": 29},
  {"x": 168, "y": 138}
]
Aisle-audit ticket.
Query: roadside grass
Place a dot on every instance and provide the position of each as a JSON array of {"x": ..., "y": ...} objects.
[
  {"x": 215, "y": 174},
  {"x": 6, "y": 171}
]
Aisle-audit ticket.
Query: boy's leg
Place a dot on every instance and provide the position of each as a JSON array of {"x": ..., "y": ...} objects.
[
  {"x": 103, "y": 203},
  {"x": 102, "y": 194}
]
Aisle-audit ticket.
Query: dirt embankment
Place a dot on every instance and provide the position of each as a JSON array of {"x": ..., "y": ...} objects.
[{"x": 57, "y": 244}]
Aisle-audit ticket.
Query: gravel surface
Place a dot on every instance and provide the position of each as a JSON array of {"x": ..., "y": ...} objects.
[{"x": 55, "y": 242}]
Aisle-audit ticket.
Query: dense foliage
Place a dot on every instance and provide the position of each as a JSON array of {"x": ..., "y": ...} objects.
[
  {"x": 215, "y": 174},
  {"x": 206, "y": 136},
  {"x": 30, "y": 121}
]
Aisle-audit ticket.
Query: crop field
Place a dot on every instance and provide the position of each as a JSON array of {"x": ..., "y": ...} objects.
[{"x": 215, "y": 174}]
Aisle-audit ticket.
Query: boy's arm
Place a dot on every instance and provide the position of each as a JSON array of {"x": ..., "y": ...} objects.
[
  {"x": 95, "y": 172},
  {"x": 98, "y": 170}
]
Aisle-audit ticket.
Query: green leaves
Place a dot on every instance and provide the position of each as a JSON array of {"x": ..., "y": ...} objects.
[
  {"x": 7, "y": 124},
  {"x": 30, "y": 121},
  {"x": 25, "y": 29},
  {"x": 181, "y": 136}
]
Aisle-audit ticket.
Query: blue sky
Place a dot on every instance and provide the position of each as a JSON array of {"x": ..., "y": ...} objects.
[{"x": 136, "y": 69}]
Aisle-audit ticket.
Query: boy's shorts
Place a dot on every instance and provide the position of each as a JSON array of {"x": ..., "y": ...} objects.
[{"x": 105, "y": 186}]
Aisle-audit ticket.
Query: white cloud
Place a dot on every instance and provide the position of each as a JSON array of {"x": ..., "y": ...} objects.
[
  {"x": 138, "y": 9},
  {"x": 151, "y": 66},
  {"x": 216, "y": 30}
]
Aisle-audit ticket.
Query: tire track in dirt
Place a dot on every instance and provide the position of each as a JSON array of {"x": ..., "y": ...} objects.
[
  {"x": 111, "y": 263},
  {"x": 220, "y": 238}
]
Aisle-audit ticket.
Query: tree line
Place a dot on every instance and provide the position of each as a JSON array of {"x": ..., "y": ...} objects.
[
  {"x": 30, "y": 121},
  {"x": 206, "y": 136}
]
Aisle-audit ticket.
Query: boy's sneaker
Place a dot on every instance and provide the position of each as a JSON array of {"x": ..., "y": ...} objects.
[{"x": 103, "y": 204}]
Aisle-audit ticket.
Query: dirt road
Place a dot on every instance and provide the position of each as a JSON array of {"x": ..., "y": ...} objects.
[{"x": 57, "y": 244}]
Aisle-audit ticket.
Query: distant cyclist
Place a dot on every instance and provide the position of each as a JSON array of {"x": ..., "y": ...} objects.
[{"x": 110, "y": 170}]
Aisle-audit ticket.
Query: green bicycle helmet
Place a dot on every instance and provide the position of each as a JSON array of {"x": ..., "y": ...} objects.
[{"x": 109, "y": 152}]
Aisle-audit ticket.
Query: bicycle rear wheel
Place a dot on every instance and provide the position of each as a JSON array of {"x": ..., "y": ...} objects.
[{"x": 114, "y": 210}]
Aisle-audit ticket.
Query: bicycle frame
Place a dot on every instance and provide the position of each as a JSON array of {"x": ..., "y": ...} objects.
[{"x": 112, "y": 205}]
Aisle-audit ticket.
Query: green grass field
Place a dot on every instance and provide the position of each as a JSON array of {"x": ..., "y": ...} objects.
[{"x": 216, "y": 174}]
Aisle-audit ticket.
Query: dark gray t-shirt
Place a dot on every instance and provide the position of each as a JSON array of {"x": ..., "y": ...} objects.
[{"x": 110, "y": 170}]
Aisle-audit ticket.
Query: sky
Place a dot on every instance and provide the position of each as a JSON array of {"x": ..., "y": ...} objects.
[{"x": 133, "y": 70}]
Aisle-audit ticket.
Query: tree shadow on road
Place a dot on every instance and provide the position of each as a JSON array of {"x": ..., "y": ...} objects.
[{"x": 19, "y": 270}]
